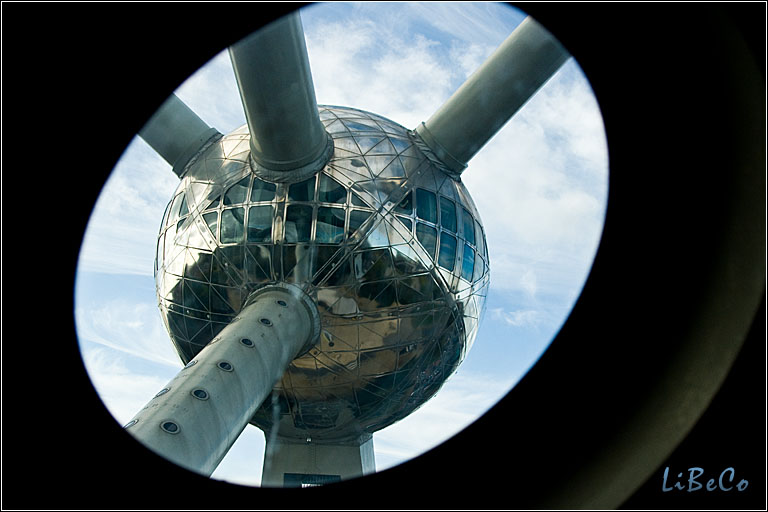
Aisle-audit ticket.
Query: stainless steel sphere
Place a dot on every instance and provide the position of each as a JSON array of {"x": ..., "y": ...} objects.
[{"x": 388, "y": 244}]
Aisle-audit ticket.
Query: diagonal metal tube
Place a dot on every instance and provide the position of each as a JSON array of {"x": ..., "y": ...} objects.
[
  {"x": 504, "y": 83},
  {"x": 275, "y": 82},
  {"x": 200, "y": 413},
  {"x": 176, "y": 133}
]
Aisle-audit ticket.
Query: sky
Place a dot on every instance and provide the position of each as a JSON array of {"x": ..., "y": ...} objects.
[{"x": 540, "y": 185}]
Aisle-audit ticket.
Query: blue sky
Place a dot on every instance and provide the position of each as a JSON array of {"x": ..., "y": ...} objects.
[{"x": 540, "y": 185}]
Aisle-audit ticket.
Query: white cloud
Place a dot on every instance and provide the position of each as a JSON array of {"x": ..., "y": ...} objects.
[
  {"x": 122, "y": 233},
  {"x": 528, "y": 282},
  {"x": 213, "y": 92},
  {"x": 121, "y": 236},
  {"x": 124, "y": 392},
  {"x": 131, "y": 328},
  {"x": 540, "y": 185},
  {"x": 365, "y": 65},
  {"x": 485, "y": 22},
  {"x": 469, "y": 56},
  {"x": 519, "y": 318}
]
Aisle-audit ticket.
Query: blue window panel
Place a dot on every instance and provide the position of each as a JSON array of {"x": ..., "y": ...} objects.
[
  {"x": 262, "y": 191},
  {"x": 232, "y": 229},
  {"x": 298, "y": 223},
  {"x": 447, "y": 214},
  {"x": 426, "y": 205},
  {"x": 260, "y": 223},
  {"x": 480, "y": 241},
  {"x": 330, "y": 191},
  {"x": 469, "y": 227},
  {"x": 302, "y": 191},
  {"x": 330, "y": 225},
  {"x": 447, "y": 258},
  {"x": 427, "y": 236},
  {"x": 468, "y": 263},
  {"x": 212, "y": 219},
  {"x": 237, "y": 192},
  {"x": 406, "y": 205},
  {"x": 356, "y": 219}
]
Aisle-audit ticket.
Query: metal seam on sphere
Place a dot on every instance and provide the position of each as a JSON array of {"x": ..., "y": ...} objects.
[
  {"x": 328, "y": 405},
  {"x": 346, "y": 250},
  {"x": 191, "y": 162},
  {"x": 428, "y": 142},
  {"x": 426, "y": 150}
]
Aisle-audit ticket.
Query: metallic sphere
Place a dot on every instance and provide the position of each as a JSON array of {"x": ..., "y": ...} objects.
[{"x": 386, "y": 241}]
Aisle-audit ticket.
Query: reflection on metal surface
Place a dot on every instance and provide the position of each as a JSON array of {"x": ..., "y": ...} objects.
[{"x": 395, "y": 324}]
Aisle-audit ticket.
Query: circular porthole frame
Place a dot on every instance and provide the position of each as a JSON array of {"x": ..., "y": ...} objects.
[
  {"x": 203, "y": 398},
  {"x": 124, "y": 458},
  {"x": 225, "y": 366},
  {"x": 165, "y": 429}
]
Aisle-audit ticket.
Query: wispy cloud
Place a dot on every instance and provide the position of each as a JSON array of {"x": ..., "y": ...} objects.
[
  {"x": 123, "y": 391},
  {"x": 540, "y": 185},
  {"x": 213, "y": 92},
  {"x": 131, "y": 328},
  {"x": 351, "y": 66},
  {"x": 486, "y": 23},
  {"x": 121, "y": 237},
  {"x": 469, "y": 56},
  {"x": 519, "y": 318}
]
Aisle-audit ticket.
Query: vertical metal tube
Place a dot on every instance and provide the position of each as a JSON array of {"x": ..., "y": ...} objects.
[
  {"x": 272, "y": 71},
  {"x": 197, "y": 417},
  {"x": 176, "y": 133},
  {"x": 481, "y": 106}
]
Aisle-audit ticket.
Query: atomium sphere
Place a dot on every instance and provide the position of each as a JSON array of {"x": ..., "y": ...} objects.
[{"x": 384, "y": 239}]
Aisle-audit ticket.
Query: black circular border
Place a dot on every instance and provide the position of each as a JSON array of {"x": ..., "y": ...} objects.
[{"x": 682, "y": 92}]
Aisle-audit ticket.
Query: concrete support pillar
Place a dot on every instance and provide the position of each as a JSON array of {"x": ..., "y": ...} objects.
[
  {"x": 176, "y": 133},
  {"x": 275, "y": 82},
  {"x": 199, "y": 414},
  {"x": 504, "y": 83},
  {"x": 297, "y": 463}
]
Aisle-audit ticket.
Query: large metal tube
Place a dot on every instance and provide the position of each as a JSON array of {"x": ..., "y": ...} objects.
[
  {"x": 200, "y": 413},
  {"x": 504, "y": 83},
  {"x": 176, "y": 133},
  {"x": 275, "y": 82}
]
